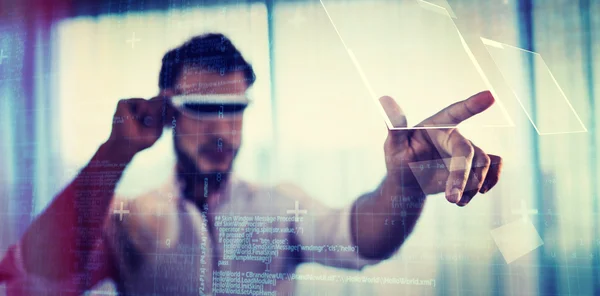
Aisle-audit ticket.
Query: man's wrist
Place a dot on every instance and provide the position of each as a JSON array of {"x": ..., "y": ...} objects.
[
  {"x": 398, "y": 189},
  {"x": 114, "y": 153}
]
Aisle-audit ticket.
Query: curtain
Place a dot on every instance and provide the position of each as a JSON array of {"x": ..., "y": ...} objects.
[
  {"x": 29, "y": 150},
  {"x": 566, "y": 35}
]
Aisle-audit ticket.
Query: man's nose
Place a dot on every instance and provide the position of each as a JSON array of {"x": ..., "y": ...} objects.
[{"x": 219, "y": 127}]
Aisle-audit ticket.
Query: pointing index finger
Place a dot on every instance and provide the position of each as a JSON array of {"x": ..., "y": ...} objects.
[{"x": 463, "y": 110}]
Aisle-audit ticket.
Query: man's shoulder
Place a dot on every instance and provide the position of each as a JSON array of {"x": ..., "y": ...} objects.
[
  {"x": 148, "y": 202},
  {"x": 143, "y": 217}
]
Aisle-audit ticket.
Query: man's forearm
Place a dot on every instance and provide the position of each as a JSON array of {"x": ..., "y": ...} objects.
[
  {"x": 381, "y": 220},
  {"x": 59, "y": 241}
]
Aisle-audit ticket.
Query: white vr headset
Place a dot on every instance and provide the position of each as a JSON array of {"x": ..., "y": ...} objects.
[{"x": 218, "y": 105}]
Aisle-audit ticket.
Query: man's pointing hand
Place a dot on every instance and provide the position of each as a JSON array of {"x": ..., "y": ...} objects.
[{"x": 470, "y": 170}]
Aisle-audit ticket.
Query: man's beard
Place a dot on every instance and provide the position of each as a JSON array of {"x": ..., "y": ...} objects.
[{"x": 198, "y": 184}]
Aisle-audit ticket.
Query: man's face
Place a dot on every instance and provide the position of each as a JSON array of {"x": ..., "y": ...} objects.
[{"x": 210, "y": 143}]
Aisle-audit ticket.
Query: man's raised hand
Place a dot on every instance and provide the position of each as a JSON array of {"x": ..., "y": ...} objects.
[
  {"x": 470, "y": 169},
  {"x": 138, "y": 123}
]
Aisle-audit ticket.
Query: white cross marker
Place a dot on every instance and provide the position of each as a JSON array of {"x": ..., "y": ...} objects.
[
  {"x": 133, "y": 40},
  {"x": 2, "y": 56},
  {"x": 121, "y": 212},
  {"x": 524, "y": 212},
  {"x": 297, "y": 211}
]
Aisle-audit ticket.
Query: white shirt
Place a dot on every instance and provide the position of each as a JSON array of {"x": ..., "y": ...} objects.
[{"x": 162, "y": 244}]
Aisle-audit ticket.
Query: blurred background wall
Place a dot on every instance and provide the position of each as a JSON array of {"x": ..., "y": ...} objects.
[{"x": 65, "y": 64}]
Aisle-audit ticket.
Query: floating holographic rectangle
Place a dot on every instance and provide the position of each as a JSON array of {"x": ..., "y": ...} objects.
[
  {"x": 516, "y": 239},
  {"x": 540, "y": 95},
  {"x": 413, "y": 52}
]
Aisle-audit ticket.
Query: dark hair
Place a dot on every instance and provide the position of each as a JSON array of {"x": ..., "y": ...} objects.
[{"x": 212, "y": 52}]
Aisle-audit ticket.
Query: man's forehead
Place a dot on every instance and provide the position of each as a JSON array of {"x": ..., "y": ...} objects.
[{"x": 198, "y": 80}]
